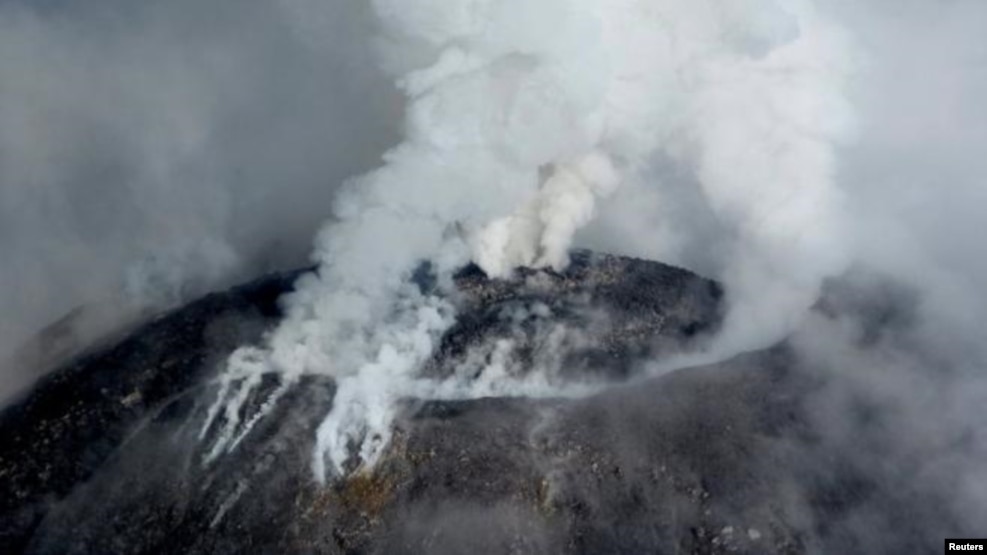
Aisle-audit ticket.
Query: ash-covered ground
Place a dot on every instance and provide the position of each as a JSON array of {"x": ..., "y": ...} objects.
[{"x": 105, "y": 455}]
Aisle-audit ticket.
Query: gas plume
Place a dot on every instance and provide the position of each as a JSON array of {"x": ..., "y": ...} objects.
[{"x": 521, "y": 117}]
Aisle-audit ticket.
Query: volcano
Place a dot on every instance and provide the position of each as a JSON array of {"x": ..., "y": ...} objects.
[{"x": 108, "y": 454}]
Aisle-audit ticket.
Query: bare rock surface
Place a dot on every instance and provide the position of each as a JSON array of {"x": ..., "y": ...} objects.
[{"x": 105, "y": 455}]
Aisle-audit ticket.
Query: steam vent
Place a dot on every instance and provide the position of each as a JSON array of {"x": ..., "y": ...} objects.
[{"x": 106, "y": 455}]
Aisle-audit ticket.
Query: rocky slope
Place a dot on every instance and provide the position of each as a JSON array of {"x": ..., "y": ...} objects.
[{"x": 104, "y": 456}]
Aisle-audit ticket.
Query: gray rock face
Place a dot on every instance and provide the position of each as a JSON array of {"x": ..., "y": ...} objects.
[
  {"x": 603, "y": 314},
  {"x": 105, "y": 455}
]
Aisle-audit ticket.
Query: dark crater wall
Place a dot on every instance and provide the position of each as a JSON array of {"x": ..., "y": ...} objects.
[{"x": 105, "y": 455}]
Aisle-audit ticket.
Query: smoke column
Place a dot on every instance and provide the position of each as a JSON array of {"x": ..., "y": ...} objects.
[{"x": 521, "y": 117}]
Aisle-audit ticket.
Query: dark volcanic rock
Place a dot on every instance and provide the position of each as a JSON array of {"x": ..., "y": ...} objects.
[
  {"x": 76, "y": 418},
  {"x": 604, "y": 312},
  {"x": 105, "y": 455}
]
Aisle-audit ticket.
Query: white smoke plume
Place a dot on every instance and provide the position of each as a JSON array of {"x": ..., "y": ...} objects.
[{"x": 521, "y": 116}]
